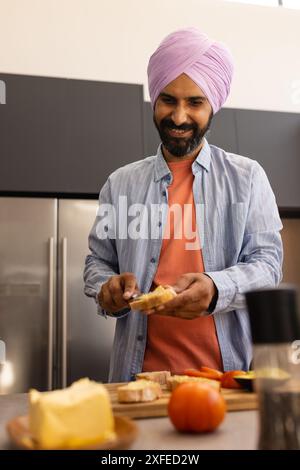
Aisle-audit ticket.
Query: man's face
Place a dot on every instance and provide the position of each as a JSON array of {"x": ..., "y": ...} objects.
[{"x": 182, "y": 116}]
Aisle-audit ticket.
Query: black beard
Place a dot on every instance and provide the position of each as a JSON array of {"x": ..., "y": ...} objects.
[{"x": 181, "y": 146}]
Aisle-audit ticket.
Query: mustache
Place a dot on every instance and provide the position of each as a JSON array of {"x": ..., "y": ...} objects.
[{"x": 169, "y": 124}]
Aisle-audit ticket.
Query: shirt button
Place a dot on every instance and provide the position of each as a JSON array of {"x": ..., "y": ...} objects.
[
  {"x": 140, "y": 337},
  {"x": 152, "y": 260},
  {"x": 164, "y": 193},
  {"x": 159, "y": 223}
]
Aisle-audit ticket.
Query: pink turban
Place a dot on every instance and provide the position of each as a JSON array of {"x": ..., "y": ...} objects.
[{"x": 209, "y": 64}]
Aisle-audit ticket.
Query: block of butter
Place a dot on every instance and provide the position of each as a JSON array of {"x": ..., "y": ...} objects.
[{"x": 74, "y": 417}]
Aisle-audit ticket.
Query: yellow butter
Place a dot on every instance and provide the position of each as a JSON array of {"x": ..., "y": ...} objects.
[{"x": 77, "y": 416}]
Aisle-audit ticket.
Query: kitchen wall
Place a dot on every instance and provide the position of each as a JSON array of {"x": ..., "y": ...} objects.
[{"x": 112, "y": 41}]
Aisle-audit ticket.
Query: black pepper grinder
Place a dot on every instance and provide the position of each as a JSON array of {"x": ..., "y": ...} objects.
[{"x": 275, "y": 327}]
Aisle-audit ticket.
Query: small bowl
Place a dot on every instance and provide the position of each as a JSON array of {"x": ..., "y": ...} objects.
[
  {"x": 246, "y": 382},
  {"x": 126, "y": 432}
]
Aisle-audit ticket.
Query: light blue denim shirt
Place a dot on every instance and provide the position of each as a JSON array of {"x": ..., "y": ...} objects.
[{"x": 239, "y": 227}]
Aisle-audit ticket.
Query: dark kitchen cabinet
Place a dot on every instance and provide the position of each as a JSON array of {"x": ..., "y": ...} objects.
[
  {"x": 273, "y": 139},
  {"x": 151, "y": 136},
  {"x": 67, "y": 136},
  {"x": 223, "y": 131}
]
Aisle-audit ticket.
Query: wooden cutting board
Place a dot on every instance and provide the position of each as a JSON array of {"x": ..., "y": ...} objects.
[{"x": 236, "y": 400}]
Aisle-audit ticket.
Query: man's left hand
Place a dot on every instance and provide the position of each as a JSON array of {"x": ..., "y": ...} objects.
[{"x": 195, "y": 292}]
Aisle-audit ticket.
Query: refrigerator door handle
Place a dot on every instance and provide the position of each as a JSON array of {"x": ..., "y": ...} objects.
[
  {"x": 50, "y": 312},
  {"x": 64, "y": 313}
]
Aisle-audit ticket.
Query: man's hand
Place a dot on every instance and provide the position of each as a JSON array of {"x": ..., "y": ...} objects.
[
  {"x": 195, "y": 293},
  {"x": 116, "y": 291}
]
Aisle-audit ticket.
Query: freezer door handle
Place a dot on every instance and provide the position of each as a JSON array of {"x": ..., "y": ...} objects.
[
  {"x": 50, "y": 312},
  {"x": 64, "y": 313}
]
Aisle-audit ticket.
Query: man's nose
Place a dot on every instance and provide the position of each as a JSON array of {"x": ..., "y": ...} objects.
[{"x": 179, "y": 115}]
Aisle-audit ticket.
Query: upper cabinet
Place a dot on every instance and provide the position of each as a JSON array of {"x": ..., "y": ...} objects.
[
  {"x": 273, "y": 139},
  {"x": 222, "y": 132},
  {"x": 67, "y": 136},
  {"x": 151, "y": 136}
]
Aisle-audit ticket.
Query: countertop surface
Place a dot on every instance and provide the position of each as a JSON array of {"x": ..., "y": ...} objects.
[{"x": 237, "y": 432}]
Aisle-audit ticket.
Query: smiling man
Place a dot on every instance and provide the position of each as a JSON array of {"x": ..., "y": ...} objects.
[
  {"x": 182, "y": 117},
  {"x": 216, "y": 234}
]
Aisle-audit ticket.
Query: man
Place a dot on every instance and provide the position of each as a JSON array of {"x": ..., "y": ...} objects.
[{"x": 232, "y": 243}]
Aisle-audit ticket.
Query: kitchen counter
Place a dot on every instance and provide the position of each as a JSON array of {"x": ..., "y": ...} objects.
[{"x": 238, "y": 431}]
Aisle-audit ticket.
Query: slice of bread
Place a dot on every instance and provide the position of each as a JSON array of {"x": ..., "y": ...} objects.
[
  {"x": 159, "y": 296},
  {"x": 160, "y": 377},
  {"x": 139, "y": 391},
  {"x": 176, "y": 380}
]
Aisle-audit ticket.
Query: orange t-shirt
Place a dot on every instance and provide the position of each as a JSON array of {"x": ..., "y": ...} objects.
[{"x": 175, "y": 343}]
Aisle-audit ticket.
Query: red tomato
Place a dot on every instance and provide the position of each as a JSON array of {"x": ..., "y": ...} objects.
[
  {"x": 228, "y": 381},
  {"x": 196, "y": 407}
]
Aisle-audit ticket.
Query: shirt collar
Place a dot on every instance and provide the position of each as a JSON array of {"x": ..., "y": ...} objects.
[{"x": 203, "y": 159}]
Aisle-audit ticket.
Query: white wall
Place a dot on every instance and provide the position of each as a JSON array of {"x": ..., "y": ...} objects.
[{"x": 111, "y": 40}]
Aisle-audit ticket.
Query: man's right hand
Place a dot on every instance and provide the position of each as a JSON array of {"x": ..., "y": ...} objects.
[{"x": 116, "y": 292}]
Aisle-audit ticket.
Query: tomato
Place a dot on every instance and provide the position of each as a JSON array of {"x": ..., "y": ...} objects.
[
  {"x": 196, "y": 407},
  {"x": 228, "y": 381}
]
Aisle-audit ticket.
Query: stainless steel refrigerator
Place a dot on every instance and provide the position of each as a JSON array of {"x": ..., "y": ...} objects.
[{"x": 51, "y": 330}]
